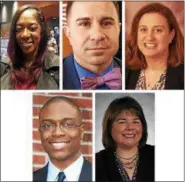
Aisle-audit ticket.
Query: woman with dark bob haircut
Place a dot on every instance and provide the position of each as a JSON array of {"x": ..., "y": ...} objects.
[
  {"x": 126, "y": 156},
  {"x": 155, "y": 50},
  {"x": 29, "y": 65}
]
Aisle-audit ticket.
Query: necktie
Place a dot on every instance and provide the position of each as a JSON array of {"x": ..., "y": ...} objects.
[
  {"x": 112, "y": 80},
  {"x": 61, "y": 177}
]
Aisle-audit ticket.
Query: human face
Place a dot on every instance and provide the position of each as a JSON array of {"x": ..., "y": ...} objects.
[
  {"x": 28, "y": 32},
  {"x": 127, "y": 130},
  {"x": 154, "y": 35},
  {"x": 93, "y": 31},
  {"x": 61, "y": 145}
]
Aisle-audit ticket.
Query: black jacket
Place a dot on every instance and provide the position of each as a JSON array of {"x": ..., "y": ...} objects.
[
  {"x": 106, "y": 169},
  {"x": 174, "y": 78}
]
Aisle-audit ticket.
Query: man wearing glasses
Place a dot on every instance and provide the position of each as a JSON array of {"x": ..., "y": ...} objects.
[{"x": 61, "y": 131}]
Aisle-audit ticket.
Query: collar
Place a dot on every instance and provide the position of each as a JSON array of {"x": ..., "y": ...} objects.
[
  {"x": 82, "y": 72},
  {"x": 72, "y": 172}
]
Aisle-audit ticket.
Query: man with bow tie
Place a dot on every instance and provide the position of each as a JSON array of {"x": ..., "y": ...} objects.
[{"x": 93, "y": 30}]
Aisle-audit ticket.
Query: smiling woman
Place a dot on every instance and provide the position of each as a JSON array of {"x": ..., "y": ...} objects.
[
  {"x": 29, "y": 65},
  {"x": 155, "y": 50},
  {"x": 126, "y": 157}
]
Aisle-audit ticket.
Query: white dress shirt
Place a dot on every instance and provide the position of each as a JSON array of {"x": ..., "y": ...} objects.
[{"x": 72, "y": 172}]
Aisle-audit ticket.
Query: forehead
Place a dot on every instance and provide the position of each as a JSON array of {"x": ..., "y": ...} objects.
[
  {"x": 59, "y": 110},
  {"x": 130, "y": 113},
  {"x": 92, "y": 9},
  {"x": 28, "y": 15},
  {"x": 153, "y": 19}
]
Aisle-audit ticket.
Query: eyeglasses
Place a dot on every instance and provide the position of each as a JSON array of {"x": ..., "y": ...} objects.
[{"x": 66, "y": 126}]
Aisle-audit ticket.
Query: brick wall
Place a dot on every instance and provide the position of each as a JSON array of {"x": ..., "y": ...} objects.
[{"x": 84, "y": 101}]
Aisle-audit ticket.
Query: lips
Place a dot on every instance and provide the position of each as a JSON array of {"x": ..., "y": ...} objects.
[
  {"x": 150, "y": 45},
  {"x": 129, "y": 135},
  {"x": 26, "y": 44},
  {"x": 97, "y": 48},
  {"x": 59, "y": 145}
]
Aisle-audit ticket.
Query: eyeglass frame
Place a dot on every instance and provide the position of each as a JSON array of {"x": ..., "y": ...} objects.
[{"x": 61, "y": 126}]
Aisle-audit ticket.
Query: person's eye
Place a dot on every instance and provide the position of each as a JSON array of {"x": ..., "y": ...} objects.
[
  {"x": 68, "y": 125},
  {"x": 33, "y": 28},
  {"x": 47, "y": 125},
  {"x": 136, "y": 121},
  {"x": 84, "y": 24},
  {"x": 121, "y": 122},
  {"x": 143, "y": 29},
  {"x": 18, "y": 28},
  {"x": 107, "y": 23},
  {"x": 158, "y": 30}
]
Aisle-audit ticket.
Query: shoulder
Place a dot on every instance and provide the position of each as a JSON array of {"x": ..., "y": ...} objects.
[
  {"x": 51, "y": 66},
  {"x": 67, "y": 59},
  {"x": 147, "y": 150},
  {"x": 51, "y": 60},
  {"x": 117, "y": 62},
  {"x": 5, "y": 66},
  {"x": 40, "y": 174},
  {"x": 104, "y": 155}
]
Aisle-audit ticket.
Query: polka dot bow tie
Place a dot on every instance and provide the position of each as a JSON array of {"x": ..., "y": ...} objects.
[{"x": 112, "y": 80}]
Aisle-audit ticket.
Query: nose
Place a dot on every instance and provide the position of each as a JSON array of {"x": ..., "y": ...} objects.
[
  {"x": 96, "y": 32},
  {"x": 150, "y": 35},
  {"x": 129, "y": 126},
  {"x": 59, "y": 131},
  {"x": 25, "y": 34}
]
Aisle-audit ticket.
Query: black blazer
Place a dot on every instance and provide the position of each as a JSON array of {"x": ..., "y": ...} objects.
[
  {"x": 106, "y": 169},
  {"x": 174, "y": 78},
  {"x": 86, "y": 173},
  {"x": 71, "y": 79}
]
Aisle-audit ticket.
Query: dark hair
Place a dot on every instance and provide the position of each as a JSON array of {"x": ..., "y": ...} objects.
[
  {"x": 69, "y": 5},
  {"x": 60, "y": 99},
  {"x": 135, "y": 58},
  {"x": 14, "y": 50},
  {"x": 113, "y": 110}
]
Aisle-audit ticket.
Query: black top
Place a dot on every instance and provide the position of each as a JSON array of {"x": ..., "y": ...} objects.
[
  {"x": 106, "y": 168},
  {"x": 174, "y": 78}
]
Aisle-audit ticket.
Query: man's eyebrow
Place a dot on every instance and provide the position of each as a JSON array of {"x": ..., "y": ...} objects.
[
  {"x": 60, "y": 120},
  {"x": 82, "y": 19},
  {"x": 107, "y": 18}
]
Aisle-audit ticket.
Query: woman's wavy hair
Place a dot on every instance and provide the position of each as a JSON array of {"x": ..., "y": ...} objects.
[
  {"x": 127, "y": 104},
  {"x": 134, "y": 57},
  {"x": 15, "y": 53}
]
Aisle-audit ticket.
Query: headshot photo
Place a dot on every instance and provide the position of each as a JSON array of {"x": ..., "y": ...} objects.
[
  {"x": 92, "y": 45},
  {"x": 62, "y": 137},
  {"x": 29, "y": 49},
  {"x": 154, "y": 45},
  {"x": 125, "y": 137}
]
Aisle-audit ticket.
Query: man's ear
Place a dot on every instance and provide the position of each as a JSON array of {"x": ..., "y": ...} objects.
[
  {"x": 67, "y": 31},
  {"x": 82, "y": 132}
]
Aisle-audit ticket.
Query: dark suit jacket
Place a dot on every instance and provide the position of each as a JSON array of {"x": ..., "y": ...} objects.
[
  {"x": 174, "y": 78},
  {"x": 86, "y": 173},
  {"x": 106, "y": 169},
  {"x": 70, "y": 75}
]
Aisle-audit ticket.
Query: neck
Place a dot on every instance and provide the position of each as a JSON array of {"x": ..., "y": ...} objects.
[
  {"x": 29, "y": 59},
  {"x": 64, "y": 163},
  {"x": 159, "y": 63},
  {"x": 126, "y": 152},
  {"x": 94, "y": 68}
]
